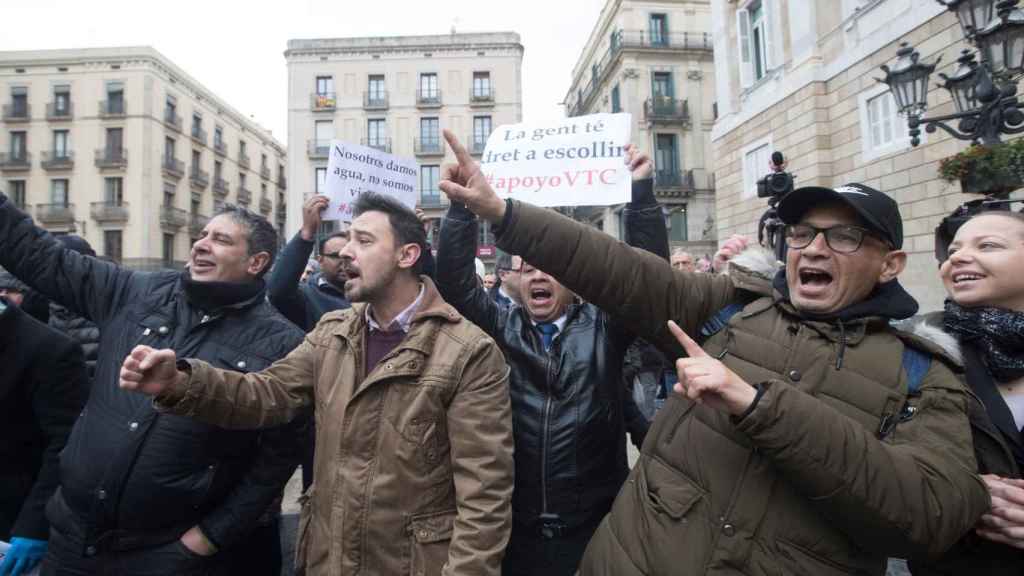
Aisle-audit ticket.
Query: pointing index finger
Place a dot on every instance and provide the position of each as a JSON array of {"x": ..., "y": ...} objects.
[
  {"x": 693, "y": 350},
  {"x": 460, "y": 151}
]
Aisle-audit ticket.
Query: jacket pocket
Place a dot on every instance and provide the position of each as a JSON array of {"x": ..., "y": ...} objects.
[
  {"x": 669, "y": 492},
  {"x": 429, "y": 539},
  {"x": 302, "y": 535},
  {"x": 796, "y": 559}
]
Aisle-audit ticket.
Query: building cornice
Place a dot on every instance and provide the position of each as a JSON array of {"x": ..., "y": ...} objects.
[{"x": 405, "y": 44}]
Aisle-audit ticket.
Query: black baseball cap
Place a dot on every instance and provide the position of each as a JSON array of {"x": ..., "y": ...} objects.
[{"x": 878, "y": 210}]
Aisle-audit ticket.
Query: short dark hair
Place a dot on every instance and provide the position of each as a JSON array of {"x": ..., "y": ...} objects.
[
  {"x": 406, "y": 227},
  {"x": 322, "y": 243},
  {"x": 261, "y": 234}
]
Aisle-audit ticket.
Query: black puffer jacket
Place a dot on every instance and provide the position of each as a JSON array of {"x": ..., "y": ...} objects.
[
  {"x": 83, "y": 331},
  {"x": 568, "y": 403},
  {"x": 131, "y": 477}
]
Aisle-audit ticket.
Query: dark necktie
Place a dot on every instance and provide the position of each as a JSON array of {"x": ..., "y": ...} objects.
[{"x": 547, "y": 333}]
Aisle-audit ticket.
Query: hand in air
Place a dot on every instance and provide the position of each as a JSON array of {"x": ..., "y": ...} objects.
[{"x": 706, "y": 380}]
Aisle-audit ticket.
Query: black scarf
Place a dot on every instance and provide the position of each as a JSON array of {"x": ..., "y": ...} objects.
[
  {"x": 212, "y": 296},
  {"x": 996, "y": 333}
]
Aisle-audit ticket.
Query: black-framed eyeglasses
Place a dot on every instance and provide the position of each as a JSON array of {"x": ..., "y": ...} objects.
[{"x": 844, "y": 239}]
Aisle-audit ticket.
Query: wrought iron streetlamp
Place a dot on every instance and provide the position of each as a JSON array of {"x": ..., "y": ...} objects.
[{"x": 984, "y": 93}]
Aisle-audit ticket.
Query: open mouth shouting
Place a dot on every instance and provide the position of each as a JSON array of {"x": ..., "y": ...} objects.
[
  {"x": 540, "y": 297},
  {"x": 813, "y": 282}
]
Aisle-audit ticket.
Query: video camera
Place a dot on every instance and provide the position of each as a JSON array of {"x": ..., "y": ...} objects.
[
  {"x": 779, "y": 182},
  {"x": 774, "y": 187},
  {"x": 946, "y": 230}
]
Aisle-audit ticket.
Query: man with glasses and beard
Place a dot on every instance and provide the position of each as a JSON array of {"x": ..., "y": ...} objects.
[{"x": 792, "y": 444}]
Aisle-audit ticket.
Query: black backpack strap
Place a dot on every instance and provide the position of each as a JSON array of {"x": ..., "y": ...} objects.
[
  {"x": 719, "y": 321},
  {"x": 916, "y": 364}
]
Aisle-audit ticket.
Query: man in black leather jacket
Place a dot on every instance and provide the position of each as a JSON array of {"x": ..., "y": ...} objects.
[
  {"x": 569, "y": 406},
  {"x": 149, "y": 493}
]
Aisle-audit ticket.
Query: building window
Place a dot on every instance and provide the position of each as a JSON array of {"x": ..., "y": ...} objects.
[
  {"x": 242, "y": 148},
  {"x": 115, "y": 98},
  {"x": 197, "y": 157},
  {"x": 62, "y": 100},
  {"x": 19, "y": 102},
  {"x": 756, "y": 164},
  {"x": 170, "y": 108},
  {"x": 481, "y": 131},
  {"x": 662, "y": 86},
  {"x": 883, "y": 131},
  {"x": 113, "y": 191},
  {"x": 263, "y": 162},
  {"x": 218, "y": 171},
  {"x": 657, "y": 26},
  {"x": 677, "y": 224},
  {"x": 241, "y": 180},
  {"x": 666, "y": 158},
  {"x": 757, "y": 43},
  {"x": 375, "y": 92},
  {"x": 485, "y": 237},
  {"x": 61, "y": 144},
  {"x": 115, "y": 142},
  {"x": 376, "y": 133},
  {"x": 325, "y": 86},
  {"x": 430, "y": 194},
  {"x": 482, "y": 86},
  {"x": 320, "y": 180},
  {"x": 430, "y": 132},
  {"x": 428, "y": 87},
  {"x": 18, "y": 145},
  {"x": 17, "y": 189},
  {"x": 112, "y": 244},
  {"x": 616, "y": 100},
  {"x": 197, "y": 125},
  {"x": 168, "y": 251},
  {"x": 169, "y": 191},
  {"x": 169, "y": 151},
  {"x": 218, "y": 137},
  {"x": 59, "y": 192},
  {"x": 323, "y": 132}
]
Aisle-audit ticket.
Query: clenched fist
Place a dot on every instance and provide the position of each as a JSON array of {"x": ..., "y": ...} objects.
[{"x": 150, "y": 371}]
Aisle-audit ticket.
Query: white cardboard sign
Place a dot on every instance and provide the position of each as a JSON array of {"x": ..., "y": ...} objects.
[
  {"x": 575, "y": 162},
  {"x": 353, "y": 169}
]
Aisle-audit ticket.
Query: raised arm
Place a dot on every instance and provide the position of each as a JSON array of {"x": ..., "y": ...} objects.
[
  {"x": 86, "y": 285},
  {"x": 283, "y": 282},
  {"x": 456, "y": 276}
]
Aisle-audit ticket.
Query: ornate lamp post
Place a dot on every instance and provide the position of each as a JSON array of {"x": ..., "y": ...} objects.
[{"x": 984, "y": 94}]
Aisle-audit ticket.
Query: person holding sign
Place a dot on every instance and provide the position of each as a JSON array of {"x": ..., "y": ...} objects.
[
  {"x": 806, "y": 435},
  {"x": 410, "y": 398},
  {"x": 569, "y": 405}
]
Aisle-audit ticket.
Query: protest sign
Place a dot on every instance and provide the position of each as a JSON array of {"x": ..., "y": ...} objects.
[
  {"x": 574, "y": 162},
  {"x": 354, "y": 169}
]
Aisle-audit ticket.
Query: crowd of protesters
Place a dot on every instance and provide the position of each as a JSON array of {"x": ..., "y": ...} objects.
[{"x": 796, "y": 417}]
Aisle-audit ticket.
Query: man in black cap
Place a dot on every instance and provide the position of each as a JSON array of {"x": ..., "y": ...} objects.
[{"x": 791, "y": 445}]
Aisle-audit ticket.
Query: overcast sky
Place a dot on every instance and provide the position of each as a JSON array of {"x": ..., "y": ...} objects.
[{"x": 236, "y": 49}]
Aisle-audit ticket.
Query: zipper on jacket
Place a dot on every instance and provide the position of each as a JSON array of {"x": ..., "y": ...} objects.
[{"x": 544, "y": 443}]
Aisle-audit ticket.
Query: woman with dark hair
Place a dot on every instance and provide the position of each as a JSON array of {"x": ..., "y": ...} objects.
[{"x": 985, "y": 316}]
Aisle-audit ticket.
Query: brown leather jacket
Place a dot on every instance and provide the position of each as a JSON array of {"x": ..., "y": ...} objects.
[{"x": 413, "y": 464}]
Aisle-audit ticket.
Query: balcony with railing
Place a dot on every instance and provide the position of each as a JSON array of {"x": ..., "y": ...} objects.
[
  {"x": 265, "y": 172},
  {"x": 479, "y": 98},
  {"x": 171, "y": 217},
  {"x": 476, "y": 145},
  {"x": 196, "y": 223},
  {"x": 674, "y": 182},
  {"x": 244, "y": 195},
  {"x": 19, "y": 161},
  {"x": 318, "y": 149},
  {"x": 112, "y": 109},
  {"x": 58, "y": 111},
  {"x": 430, "y": 199},
  {"x": 428, "y": 146},
  {"x": 109, "y": 211},
  {"x": 243, "y": 160},
  {"x": 55, "y": 213},
  {"x": 665, "y": 110},
  {"x": 199, "y": 135},
  {"x": 220, "y": 148},
  {"x": 382, "y": 144},
  {"x": 172, "y": 120},
  {"x": 17, "y": 112},
  {"x": 634, "y": 40},
  {"x": 428, "y": 98},
  {"x": 323, "y": 101},
  {"x": 111, "y": 158},
  {"x": 173, "y": 168},
  {"x": 198, "y": 179},
  {"x": 375, "y": 100},
  {"x": 266, "y": 206},
  {"x": 57, "y": 160},
  {"x": 220, "y": 188}
]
